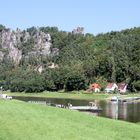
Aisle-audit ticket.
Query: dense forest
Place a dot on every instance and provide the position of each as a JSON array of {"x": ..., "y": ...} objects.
[{"x": 80, "y": 60}]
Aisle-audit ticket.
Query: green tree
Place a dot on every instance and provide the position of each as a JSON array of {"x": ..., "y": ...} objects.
[
  {"x": 75, "y": 81},
  {"x": 2, "y": 27}
]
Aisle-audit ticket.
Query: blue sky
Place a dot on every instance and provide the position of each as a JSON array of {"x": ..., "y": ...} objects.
[{"x": 96, "y": 16}]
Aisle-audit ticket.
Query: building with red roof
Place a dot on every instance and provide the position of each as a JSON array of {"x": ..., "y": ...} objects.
[
  {"x": 96, "y": 87},
  {"x": 111, "y": 87},
  {"x": 122, "y": 87}
]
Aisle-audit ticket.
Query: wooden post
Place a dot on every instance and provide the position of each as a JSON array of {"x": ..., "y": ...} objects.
[{"x": 117, "y": 105}]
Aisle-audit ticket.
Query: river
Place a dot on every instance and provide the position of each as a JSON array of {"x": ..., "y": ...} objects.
[{"x": 127, "y": 111}]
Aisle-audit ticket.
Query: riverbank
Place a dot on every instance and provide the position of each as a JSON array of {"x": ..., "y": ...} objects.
[
  {"x": 66, "y": 95},
  {"x": 24, "y": 121},
  {"x": 71, "y": 95}
]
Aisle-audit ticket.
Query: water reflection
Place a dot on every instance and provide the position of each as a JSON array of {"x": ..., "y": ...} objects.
[{"x": 128, "y": 111}]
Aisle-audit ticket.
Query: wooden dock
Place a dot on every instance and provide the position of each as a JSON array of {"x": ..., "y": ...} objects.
[
  {"x": 38, "y": 102},
  {"x": 85, "y": 108},
  {"x": 48, "y": 104},
  {"x": 126, "y": 99},
  {"x": 91, "y": 107}
]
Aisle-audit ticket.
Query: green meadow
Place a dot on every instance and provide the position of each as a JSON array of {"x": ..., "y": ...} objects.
[{"x": 25, "y": 121}]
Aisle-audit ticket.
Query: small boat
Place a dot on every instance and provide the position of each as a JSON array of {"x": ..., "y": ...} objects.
[
  {"x": 91, "y": 107},
  {"x": 114, "y": 98},
  {"x": 5, "y": 96}
]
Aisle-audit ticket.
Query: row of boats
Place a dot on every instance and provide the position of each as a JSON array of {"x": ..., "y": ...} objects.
[{"x": 90, "y": 107}]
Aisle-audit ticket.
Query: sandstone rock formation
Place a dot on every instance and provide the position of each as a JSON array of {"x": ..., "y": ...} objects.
[{"x": 10, "y": 42}]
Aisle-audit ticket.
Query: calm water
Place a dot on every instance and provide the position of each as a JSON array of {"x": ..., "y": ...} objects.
[{"x": 128, "y": 111}]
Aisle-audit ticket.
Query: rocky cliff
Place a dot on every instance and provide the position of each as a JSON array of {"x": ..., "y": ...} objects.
[{"x": 11, "y": 44}]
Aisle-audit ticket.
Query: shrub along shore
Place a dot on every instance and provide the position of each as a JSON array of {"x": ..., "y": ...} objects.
[{"x": 24, "y": 121}]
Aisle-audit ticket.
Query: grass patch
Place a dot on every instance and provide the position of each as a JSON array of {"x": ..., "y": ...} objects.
[
  {"x": 69, "y": 95},
  {"x": 24, "y": 121}
]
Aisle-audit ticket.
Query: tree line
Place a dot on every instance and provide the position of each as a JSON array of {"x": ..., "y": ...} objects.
[{"x": 82, "y": 60}]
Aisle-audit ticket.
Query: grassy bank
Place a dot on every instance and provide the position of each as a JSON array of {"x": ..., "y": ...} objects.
[
  {"x": 71, "y": 95},
  {"x": 24, "y": 121}
]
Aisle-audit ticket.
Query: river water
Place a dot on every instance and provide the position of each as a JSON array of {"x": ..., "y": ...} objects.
[{"x": 127, "y": 111}]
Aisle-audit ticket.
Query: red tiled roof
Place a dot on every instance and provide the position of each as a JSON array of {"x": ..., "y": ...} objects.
[{"x": 95, "y": 85}]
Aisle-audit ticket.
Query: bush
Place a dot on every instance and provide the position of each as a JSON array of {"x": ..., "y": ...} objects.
[
  {"x": 75, "y": 82},
  {"x": 136, "y": 85},
  {"x": 49, "y": 85},
  {"x": 27, "y": 81},
  {"x": 102, "y": 82}
]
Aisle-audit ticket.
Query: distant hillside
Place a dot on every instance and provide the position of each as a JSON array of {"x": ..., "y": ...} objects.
[{"x": 45, "y": 58}]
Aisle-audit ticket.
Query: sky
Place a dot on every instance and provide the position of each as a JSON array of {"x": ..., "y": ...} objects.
[{"x": 96, "y": 16}]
